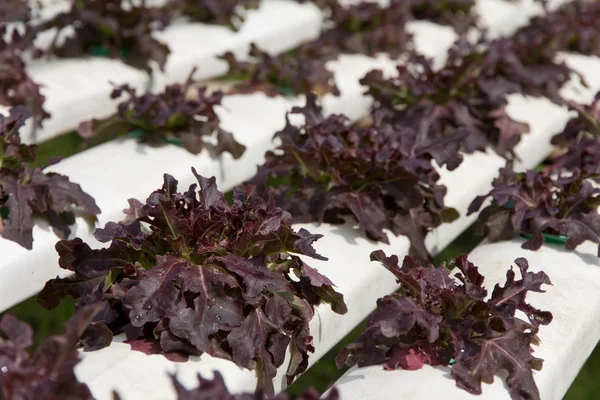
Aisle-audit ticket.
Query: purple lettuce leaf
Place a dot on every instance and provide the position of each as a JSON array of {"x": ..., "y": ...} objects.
[
  {"x": 171, "y": 115},
  {"x": 580, "y": 141},
  {"x": 16, "y": 86},
  {"x": 46, "y": 373},
  {"x": 434, "y": 317},
  {"x": 112, "y": 28},
  {"x": 534, "y": 202},
  {"x": 327, "y": 169},
  {"x": 188, "y": 273},
  {"x": 27, "y": 192},
  {"x": 574, "y": 26}
]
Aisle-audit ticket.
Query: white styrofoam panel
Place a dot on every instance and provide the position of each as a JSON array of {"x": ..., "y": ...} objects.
[
  {"x": 77, "y": 90},
  {"x": 518, "y": 13},
  {"x": 545, "y": 120},
  {"x": 565, "y": 344}
]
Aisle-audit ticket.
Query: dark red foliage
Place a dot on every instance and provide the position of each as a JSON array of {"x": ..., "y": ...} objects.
[
  {"x": 16, "y": 86},
  {"x": 48, "y": 372},
  {"x": 458, "y": 13},
  {"x": 223, "y": 12},
  {"x": 469, "y": 93},
  {"x": 364, "y": 28},
  {"x": 580, "y": 140},
  {"x": 113, "y": 28},
  {"x": 215, "y": 389},
  {"x": 15, "y": 10},
  {"x": 324, "y": 4},
  {"x": 327, "y": 169},
  {"x": 435, "y": 317},
  {"x": 295, "y": 73},
  {"x": 27, "y": 192},
  {"x": 575, "y": 26},
  {"x": 536, "y": 202},
  {"x": 171, "y": 115},
  {"x": 195, "y": 274}
]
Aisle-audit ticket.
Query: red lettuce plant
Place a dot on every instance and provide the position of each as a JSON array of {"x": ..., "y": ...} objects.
[
  {"x": 223, "y": 12},
  {"x": 16, "y": 86},
  {"x": 534, "y": 202},
  {"x": 114, "y": 28},
  {"x": 48, "y": 373},
  {"x": 434, "y": 318},
  {"x": 575, "y": 26},
  {"x": 215, "y": 389},
  {"x": 27, "y": 192},
  {"x": 286, "y": 73},
  {"x": 169, "y": 116},
  {"x": 326, "y": 169},
  {"x": 15, "y": 10},
  {"x": 470, "y": 92},
  {"x": 458, "y": 13},
  {"x": 189, "y": 273},
  {"x": 364, "y": 28}
]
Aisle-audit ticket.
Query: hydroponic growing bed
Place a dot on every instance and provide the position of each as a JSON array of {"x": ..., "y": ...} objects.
[{"x": 252, "y": 173}]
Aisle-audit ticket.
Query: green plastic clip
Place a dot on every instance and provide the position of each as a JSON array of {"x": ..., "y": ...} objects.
[{"x": 548, "y": 238}]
